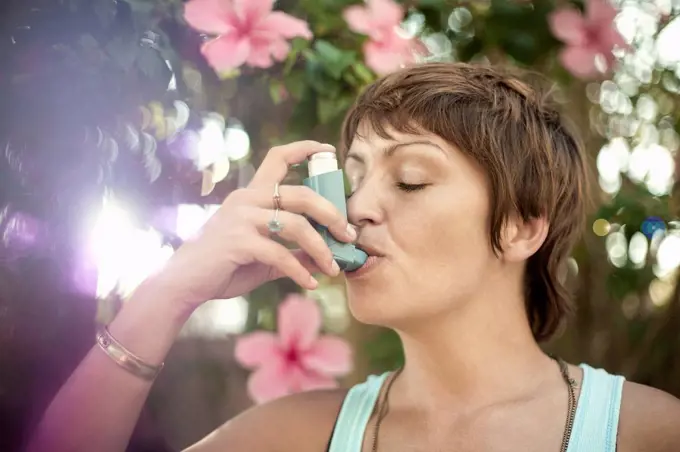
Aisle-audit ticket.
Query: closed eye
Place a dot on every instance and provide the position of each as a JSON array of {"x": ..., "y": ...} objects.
[{"x": 410, "y": 187}]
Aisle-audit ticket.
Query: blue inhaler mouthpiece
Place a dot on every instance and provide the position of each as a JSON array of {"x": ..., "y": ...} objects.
[{"x": 327, "y": 180}]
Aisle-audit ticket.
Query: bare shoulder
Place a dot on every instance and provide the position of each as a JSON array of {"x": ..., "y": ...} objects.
[
  {"x": 649, "y": 420},
  {"x": 301, "y": 422}
]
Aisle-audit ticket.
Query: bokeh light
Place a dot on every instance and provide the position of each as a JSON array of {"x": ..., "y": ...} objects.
[
  {"x": 652, "y": 225},
  {"x": 237, "y": 141},
  {"x": 124, "y": 254},
  {"x": 211, "y": 145},
  {"x": 217, "y": 319},
  {"x": 637, "y": 116},
  {"x": 668, "y": 254},
  {"x": 637, "y": 249},
  {"x": 334, "y": 306},
  {"x": 617, "y": 248},
  {"x": 660, "y": 292},
  {"x": 601, "y": 227},
  {"x": 191, "y": 218}
]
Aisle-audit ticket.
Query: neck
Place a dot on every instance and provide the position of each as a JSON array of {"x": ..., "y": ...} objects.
[{"x": 480, "y": 354}]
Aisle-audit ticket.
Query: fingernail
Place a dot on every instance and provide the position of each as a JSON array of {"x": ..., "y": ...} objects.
[
  {"x": 313, "y": 282},
  {"x": 335, "y": 267},
  {"x": 351, "y": 232},
  {"x": 327, "y": 146}
]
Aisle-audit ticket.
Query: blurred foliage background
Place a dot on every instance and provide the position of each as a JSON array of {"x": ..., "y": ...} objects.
[{"x": 118, "y": 140}]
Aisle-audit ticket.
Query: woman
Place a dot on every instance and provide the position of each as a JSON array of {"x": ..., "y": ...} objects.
[{"x": 469, "y": 192}]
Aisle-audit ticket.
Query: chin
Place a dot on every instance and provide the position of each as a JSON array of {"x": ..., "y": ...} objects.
[
  {"x": 400, "y": 301},
  {"x": 371, "y": 299},
  {"x": 386, "y": 305},
  {"x": 373, "y": 310}
]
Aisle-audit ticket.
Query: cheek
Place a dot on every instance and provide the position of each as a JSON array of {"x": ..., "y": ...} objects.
[{"x": 443, "y": 232}]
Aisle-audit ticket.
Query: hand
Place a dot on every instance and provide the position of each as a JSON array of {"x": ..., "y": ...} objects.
[{"x": 234, "y": 252}]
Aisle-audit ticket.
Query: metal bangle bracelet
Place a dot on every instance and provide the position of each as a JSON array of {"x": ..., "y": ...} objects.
[{"x": 125, "y": 358}]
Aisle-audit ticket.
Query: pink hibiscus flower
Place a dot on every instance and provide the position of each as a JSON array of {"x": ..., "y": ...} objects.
[
  {"x": 248, "y": 32},
  {"x": 386, "y": 50},
  {"x": 587, "y": 38},
  {"x": 296, "y": 358}
]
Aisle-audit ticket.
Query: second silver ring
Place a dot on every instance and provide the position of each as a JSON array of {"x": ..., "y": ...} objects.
[{"x": 275, "y": 226}]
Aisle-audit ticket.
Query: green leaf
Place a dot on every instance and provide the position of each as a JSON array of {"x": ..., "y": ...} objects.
[
  {"x": 363, "y": 72},
  {"x": 521, "y": 30},
  {"x": 310, "y": 55},
  {"x": 295, "y": 84},
  {"x": 304, "y": 116},
  {"x": 298, "y": 45},
  {"x": 385, "y": 351},
  {"x": 351, "y": 79},
  {"x": 320, "y": 81},
  {"x": 329, "y": 109},
  {"x": 432, "y": 3},
  {"x": 434, "y": 18},
  {"x": 276, "y": 88},
  {"x": 333, "y": 59},
  {"x": 469, "y": 50}
]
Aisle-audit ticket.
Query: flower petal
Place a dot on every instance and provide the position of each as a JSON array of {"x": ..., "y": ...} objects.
[
  {"x": 609, "y": 37},
  {"x": 268, "y": 383},
  {"x": 417, "y": 48},
  {"x": 359, "y": 19},
  {"x": 260, "y": 57},
  {"x": 600, "y": 13},
  {"x": 285, "y": 25},
  {"x": 580, "y": 61},
  {"x": 226, "y": 52},
  {"x": 328, "y": 356},
  {"x": 299, "y": 322},
  {"x": 279, "y": 49},
  {"x": 568, "y": 25},
  {"x": 307, "y": 380},
  {"x": 386, "y": 13},
  {"x": 210, "y": 16},
  {"x": 385, "y": 57},
  {"x": 252, "y": 11},
  {"x": 260, "y": 348}
]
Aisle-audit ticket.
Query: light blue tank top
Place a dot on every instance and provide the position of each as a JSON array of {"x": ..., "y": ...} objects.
[{"x": 595, "y": 425}]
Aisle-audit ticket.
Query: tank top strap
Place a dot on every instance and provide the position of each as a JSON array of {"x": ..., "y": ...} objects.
[
  {"x": 348, "y": 434},
  {"x": 597, "y": 414}
]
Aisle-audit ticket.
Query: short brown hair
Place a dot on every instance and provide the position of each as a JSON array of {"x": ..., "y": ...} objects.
[{"x": 534, "y": 164}]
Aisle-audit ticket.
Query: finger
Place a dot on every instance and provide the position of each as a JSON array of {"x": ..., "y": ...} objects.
[
  {"x": 297, "y": 229},
  {"x": 305, "y": 259},
  {"x": 275, "y": 165},
  {"x": 303, "y": 200},
  {"x": 283, "y": 263}
]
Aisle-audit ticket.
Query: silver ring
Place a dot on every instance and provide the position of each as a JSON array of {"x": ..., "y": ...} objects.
[{"x": 275, "y": 226}]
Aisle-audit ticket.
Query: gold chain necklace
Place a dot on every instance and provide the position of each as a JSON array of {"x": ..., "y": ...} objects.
[{"x": 569, "y": 424}]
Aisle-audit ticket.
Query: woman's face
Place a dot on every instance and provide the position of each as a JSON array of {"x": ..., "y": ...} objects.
[{"x": 423, "y": 207}]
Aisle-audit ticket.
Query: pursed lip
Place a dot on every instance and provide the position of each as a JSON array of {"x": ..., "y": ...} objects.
[
  {"x": 375, "y": 257},
  {"x": 370, "y": 250},
  {"x": 371, "y": 263}
]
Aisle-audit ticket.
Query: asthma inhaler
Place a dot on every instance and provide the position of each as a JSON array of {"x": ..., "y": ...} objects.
[{"x": 327, "y": 180}]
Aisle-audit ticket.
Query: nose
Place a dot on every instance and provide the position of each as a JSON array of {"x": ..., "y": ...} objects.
[{"x": 364, "y": 206}]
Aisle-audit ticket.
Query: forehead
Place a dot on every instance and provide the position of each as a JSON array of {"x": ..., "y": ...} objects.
[{"x": 368, "y": 141}]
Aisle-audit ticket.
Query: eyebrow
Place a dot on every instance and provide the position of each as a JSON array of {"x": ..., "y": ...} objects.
[{"x": 390, "y": 150}]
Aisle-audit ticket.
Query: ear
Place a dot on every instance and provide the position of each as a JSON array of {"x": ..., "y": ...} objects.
[{"x": 521, "y": 239}]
